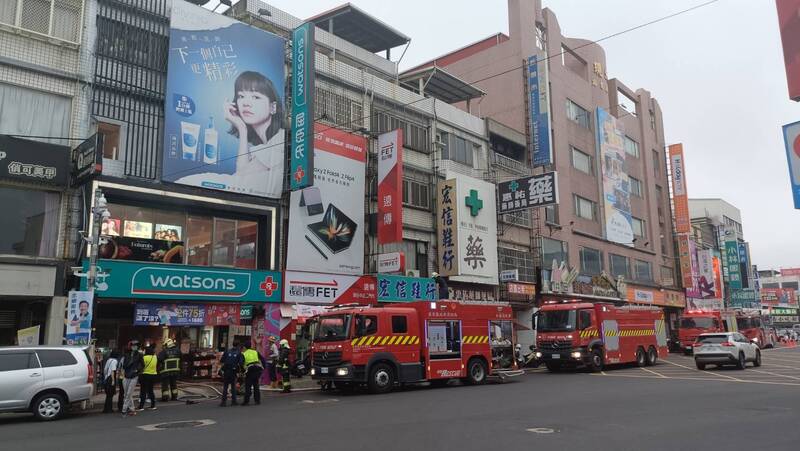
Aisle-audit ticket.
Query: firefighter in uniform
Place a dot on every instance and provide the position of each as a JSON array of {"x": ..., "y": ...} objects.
[
  {"x": 283, "y": 365},
  {"x": 170, "y": 360},
  {"x": 254, "y": 364}
]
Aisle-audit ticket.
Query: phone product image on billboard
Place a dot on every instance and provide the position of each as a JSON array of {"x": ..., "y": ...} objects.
[
  {"x": 326, "y": 221},
  {"x": 224, "y": 105}
]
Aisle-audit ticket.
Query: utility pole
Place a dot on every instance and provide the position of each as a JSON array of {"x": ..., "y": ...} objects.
[{"x": 99, "y": 214}]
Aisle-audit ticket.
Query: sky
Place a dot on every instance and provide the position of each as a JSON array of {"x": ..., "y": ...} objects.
[{"x": 717, "y": 73}]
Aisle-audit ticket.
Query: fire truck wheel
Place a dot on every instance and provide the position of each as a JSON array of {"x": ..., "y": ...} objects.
[
  {"x": 742, "y": 363},
  {"x": 596, "y": 361},
  {"x": 641, "y": 360},
  {"x": 757, "y": 361},
  {"x": 476, "y": 372},
  {"x": 381, "y": 378},
  {"x": 652, "y": 356}
]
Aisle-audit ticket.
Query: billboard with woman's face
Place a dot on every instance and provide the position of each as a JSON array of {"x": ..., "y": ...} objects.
[{"x": 224, "y": 107}]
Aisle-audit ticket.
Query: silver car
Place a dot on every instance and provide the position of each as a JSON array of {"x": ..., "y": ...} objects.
[
  {"x": 725, "y": 348},
  {"x": 44, "y": 380}
]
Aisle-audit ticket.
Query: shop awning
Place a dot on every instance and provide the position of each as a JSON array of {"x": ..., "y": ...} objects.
[
  {"x": 436, "y": 82},
  {"x": 356, "y": 26}
]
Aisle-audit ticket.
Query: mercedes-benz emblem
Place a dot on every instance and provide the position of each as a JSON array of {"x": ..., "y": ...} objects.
[{"x": 325, "y": 355}]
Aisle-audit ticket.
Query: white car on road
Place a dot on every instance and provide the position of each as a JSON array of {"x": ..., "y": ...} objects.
[{"x": 726, "y": 348}]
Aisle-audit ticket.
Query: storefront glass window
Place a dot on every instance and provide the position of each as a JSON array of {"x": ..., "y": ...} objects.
[
  {"x": 198, "y": 240},
  {"x": 224, "y": 242},
  {"x": 31, "y": 227},
  {"x": 246, "y": 239}
]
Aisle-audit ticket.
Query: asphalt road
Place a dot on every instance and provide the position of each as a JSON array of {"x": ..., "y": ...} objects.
[{"x": 666, "y": 407}]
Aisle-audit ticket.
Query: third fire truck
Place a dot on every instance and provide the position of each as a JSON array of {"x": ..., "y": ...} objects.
[
  {"x": 572, "y": 334},
  {"x": 696, "y": 322}
]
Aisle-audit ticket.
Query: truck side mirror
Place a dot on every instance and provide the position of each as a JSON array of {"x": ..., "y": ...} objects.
[{"x": 534, "y": 318}]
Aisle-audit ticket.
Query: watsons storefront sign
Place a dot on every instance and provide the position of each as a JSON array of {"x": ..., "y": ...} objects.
[{"x": 118, "y": 279}]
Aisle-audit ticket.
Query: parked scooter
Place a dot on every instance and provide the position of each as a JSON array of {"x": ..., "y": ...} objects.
[{"x": 527, "y": 360}]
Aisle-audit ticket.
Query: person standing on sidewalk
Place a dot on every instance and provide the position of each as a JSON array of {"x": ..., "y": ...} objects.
[
  {"x": 149, "y": 377},
  {"x": 110, "y": 380},
  {"x": 253, "y": 365},
  {"x": 272, "y": 362},
  {"x": 283, "y": 365},
  {"x": 132, "y": 365},
  {"x": 170, "y": 360},
  {"x": 232, "y": 361}
]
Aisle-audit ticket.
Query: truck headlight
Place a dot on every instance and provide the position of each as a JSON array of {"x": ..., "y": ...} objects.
[
  {"x": 576, "y": 355},
  {"x": 538, "y": 355},
  {"x": 755, "y": 339},
  {"x": 342, "y": 371},
  {"x": 313, "y": 371}
]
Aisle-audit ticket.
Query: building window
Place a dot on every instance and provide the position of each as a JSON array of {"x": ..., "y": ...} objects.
[
  {"x": 416, "y": 253},
  {"x": 639, "y": 228},
  {"x": 31, "y": 226},
  {"x": 457, "y": 149},
  {"x": 198, "y": 240},
  {"x": 656, "y": 164},
  {"x": 551, "y": 214},
  {"x": 111, "y": 135},
  {"x": 520, "y": 218},
  {"x": 644, "y": 270},
  {"x": 553, "y": 251},
  {"x": 631, "y": 147},
  {"x": 416, "y": 194},
  {"x": 619, "y": 265},
  {"x": 652, "y": 119},
  {"x": 770, "y": 285},
  {"x": 582, "y": 161},
  {"x": 578, "y": 114},
  {"x": 636, "y": 187},
  {"x": 35, "y": 15},
  {"x": 415, "y": 136},
  {"x": 522, "y": 261},
  {"x": 667, "y": 276},
  {"x": 792, "y": 285},
  {"x": 585, "y": 208},
  {"x": 591, "y": 261},
  {"x": 338, "y": 109}
]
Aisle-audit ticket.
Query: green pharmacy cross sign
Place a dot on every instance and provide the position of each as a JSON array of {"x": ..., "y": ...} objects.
[{"x": 473, "y": 202}]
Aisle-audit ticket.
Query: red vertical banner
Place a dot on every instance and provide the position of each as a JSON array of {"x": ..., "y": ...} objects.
[
  {"x": 390, "y": 187},
  {"x": 789, "y": 22}
]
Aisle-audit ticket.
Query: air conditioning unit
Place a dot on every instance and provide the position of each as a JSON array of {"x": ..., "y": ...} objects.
[{"x": 412, "y": 273}]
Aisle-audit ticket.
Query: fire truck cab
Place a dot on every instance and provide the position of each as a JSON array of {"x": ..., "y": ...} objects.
[
  {"x": 695, "y": 322},
  {"x": 752, "y": 326},
  {"x": 573, "y": 334},
  {"x": 412, "y": 342}
]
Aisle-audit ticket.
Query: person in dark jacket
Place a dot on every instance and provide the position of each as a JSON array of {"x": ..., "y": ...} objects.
[
  {"x": 441, "y": 283},
  {"x": 283, "y": 365},
  {"x": 110, "y": 371},
  {"x": 132, "y": 365},
  {"x": 232, "y": 361}
]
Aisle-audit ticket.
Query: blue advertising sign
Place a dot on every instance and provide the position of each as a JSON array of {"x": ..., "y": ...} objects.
[
  {"x": 406, "y": 289},
  {"x": 539, "y": 105},
  {"x": 224, "y": 104},
  {"x": 302, "y": 141},
  {"x": 791, "y": 138},
  {"x": 135, "y": 280},
  {"x": 145, "y": 314}
]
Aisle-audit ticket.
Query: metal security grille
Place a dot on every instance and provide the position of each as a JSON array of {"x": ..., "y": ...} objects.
[
  {"x": 56, "y": 18},
  {"x": 130, "y": 77},
  {"x": 338, "y": 109},
  {"x": 415, "y": 136},
  {"x": 511, "y": 259}
]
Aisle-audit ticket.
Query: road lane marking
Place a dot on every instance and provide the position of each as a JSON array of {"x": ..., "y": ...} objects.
[
  {"x": 776, "y": 374},
  {"x": 770, "y": 364},
  {"x": 705, "y": 371},
  {"x": 791, "y": 384},
  {"x": 652, "y": 372}
]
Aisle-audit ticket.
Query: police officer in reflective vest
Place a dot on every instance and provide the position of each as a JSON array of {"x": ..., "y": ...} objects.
[
  {"x": 283, "y": 365},
  {"x": 254, "y": 364},
  {"x": 170, "y": 360}
]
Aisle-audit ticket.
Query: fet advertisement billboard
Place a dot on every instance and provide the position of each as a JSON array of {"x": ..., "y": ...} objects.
[
  {"x": 224, "y": 104},
  {"x": 789, "y": 22},
  {"x": 539, "y": 103},
  {"x": 791, "y": 138},
  {"x": 390, "y": 187},
  {"x": 680, "y": 195},
  {"x": 616, "y": 184},
  {"x": 317, "y": 288},
  {"x": 326, "y": 221}
]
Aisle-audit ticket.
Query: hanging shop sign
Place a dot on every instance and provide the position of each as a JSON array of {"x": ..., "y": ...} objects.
[
  {"x": 685, "y": 259},
  {"x": 406, "y": 289},
  {"x": 732, "y": 263},
  {"x": 318, "y": 288},
  {"x": 471, "y": 292},
  {"x": 705, "y": 283},
  {"x": 87, "y": 160},
  {"x": 303, "y": 88},
  {"x": 33, "y": 161},
  {"x": 779, "y": 296},
  {"x": 326, "y": 221},
  {"x": 744, "y": 298},
  {"x": 680, "y": 196},
  {"x": 131, "y": 280},
  {"x": 528, "y": 192},
  {"x": 390, "y": 187},
  {"x": 224, "y": 104},
  {"x": 509, "y": 275},
  {"x": 391, "y": 262},
  {"x": 525, "y": 289},
  {"x": 246, "y": 311}
]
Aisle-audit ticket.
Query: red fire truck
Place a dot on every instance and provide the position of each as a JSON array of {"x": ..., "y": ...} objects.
[
  {"x": 752, "y": 326},
  {"x": 412, "y": 342},
  {"x": 696, "y": 322},
  {"x": 572, "y": 334}
]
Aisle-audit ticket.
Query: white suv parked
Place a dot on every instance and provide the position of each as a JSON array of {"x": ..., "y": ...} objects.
[
  {"x": 44, "y": 380},
  {"x": 725, "y": 348}
]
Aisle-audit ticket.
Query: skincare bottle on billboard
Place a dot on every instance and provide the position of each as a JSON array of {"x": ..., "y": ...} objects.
[
  {"x": 210, "y": 142},
  {"x": 190, "y": 133}
]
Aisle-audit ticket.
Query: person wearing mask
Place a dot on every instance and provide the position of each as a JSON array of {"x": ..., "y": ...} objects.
[
  {"x": 232, "y": 360},
  {"x": 170, "y": 360},
  {"x": 132, "y": 364},
  {"x": 110, "y": 380},
  {"x": 253, "y": 366},
  {"x": 283, "y": 365},
  {"x": 148, "y": 378},
  {"x": 273, "y": 362}
]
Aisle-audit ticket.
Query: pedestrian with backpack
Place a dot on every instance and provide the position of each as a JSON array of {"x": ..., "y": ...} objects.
[{"x": 231, "y": 361}]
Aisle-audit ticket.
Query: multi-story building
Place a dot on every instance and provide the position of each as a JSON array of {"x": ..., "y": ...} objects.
[
  {"x": 576, "y": 232},
  {"x": 43, "y": 105}
]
